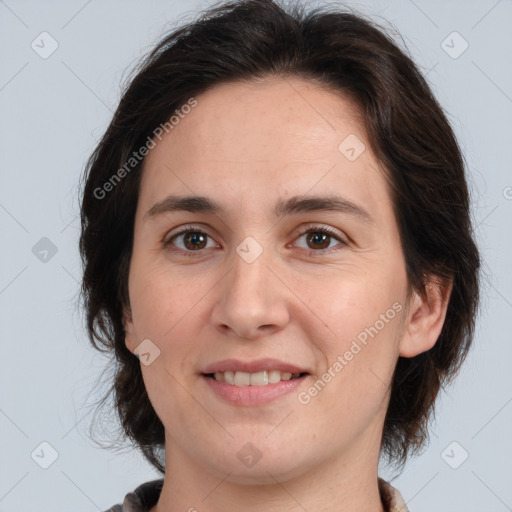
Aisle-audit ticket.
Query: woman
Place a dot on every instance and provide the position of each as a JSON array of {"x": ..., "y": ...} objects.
[{"x": 278, "y": 250}]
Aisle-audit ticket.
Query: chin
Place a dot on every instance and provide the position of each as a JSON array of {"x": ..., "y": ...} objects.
[{"x": 251, "y": 465}]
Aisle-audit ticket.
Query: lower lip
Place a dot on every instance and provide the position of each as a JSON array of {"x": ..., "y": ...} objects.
[{"x": 253, "y": 395}]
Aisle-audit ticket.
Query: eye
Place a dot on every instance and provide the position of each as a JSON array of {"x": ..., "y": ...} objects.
[
  {"x": 319, "y": 239},
  {"x": 192, "y": 240},
  {"x": 189, "y": 240}
]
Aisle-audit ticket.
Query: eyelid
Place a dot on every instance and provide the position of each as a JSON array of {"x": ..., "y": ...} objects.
[
  {"x": 314, "y": 227},
  {"x": 184, "y": 229}
]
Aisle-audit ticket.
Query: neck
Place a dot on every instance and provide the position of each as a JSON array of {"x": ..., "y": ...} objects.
[{"x": 342, "y": 484}]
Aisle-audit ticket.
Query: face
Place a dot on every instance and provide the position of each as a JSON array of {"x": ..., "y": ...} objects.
[{"x": 291, "y": 264}]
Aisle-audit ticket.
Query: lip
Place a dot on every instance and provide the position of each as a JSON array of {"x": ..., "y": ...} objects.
[
  {"x": 258, "y": 365},
  {"x": 252, "y": 395}
]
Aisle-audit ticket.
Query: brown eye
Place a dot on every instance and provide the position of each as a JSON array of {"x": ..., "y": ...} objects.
[
  {"x": 194, "y": 240},
  {"x": 319, "y": 239},
  {"x": 189, "y": 240}
]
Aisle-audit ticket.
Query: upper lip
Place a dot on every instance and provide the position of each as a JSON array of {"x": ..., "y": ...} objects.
[{"x": 257, "y": 365}]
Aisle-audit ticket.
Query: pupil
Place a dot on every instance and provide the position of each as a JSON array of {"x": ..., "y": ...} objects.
[
  {"x": 319, "y": 239},
  {"x": 193, "y": 240}
]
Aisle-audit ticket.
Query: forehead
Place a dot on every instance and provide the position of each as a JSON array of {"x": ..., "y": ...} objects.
[
  {"x": 274, "y": 135},
  {"x": 290, "y": 115}
]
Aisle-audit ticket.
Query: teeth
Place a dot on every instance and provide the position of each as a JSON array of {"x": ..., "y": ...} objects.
[
  {"x": 274, "y": 376},
  {"x": 242, "y": 379},
  {"x": 259, "y": 379},
  {"x": 253, "y": 379}
]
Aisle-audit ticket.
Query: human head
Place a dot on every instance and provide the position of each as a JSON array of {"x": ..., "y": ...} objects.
[{"x": 408, "y": 134}]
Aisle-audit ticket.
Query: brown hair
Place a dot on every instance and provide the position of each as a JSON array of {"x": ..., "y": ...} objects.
[{"x": 408, "y": 132}]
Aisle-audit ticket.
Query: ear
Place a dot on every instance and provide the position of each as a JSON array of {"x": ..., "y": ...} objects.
[
  {"x": 425, "y": 317},
  {"x": 129, "y": 329}
]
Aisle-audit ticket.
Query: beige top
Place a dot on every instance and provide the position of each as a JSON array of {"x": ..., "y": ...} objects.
[
  {"x": 144, "y": 497},
  {"x": 391, "y": 498}
]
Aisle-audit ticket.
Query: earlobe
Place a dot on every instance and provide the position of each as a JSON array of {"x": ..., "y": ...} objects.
[{"x": 425, "y": 317}]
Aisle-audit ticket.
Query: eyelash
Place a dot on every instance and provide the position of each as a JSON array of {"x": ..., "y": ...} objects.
[{"x": 311, "y": 229}]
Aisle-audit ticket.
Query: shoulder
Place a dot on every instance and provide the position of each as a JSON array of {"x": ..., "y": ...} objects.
[
  {"x": 142, "y": 499},
  {"x": 391, "y": 497}
]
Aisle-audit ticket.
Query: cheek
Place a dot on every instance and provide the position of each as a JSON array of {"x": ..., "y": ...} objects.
[
  {"x": 349, "y": 304},
  {"x": 160, "y": 298},
  {"x": 168, "y": 308},
  {"x": 360, "y": 319}
]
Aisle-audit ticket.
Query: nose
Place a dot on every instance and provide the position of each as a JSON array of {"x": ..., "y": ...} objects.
[{"x": 252, "y": 300}]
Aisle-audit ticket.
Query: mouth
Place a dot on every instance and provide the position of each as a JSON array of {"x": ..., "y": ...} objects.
[
  {"x": 255, "y": 382},
  {"x": 262, "y": 378}
]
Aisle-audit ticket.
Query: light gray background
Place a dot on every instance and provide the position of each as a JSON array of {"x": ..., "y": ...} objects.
[{"x": 53, "y": 112}]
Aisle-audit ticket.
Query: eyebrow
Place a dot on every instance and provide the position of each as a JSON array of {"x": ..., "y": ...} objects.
[{"x": 293, "y": 205}]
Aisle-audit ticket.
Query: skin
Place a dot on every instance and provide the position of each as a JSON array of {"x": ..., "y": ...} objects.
[{"x": 248, "y": 145}]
